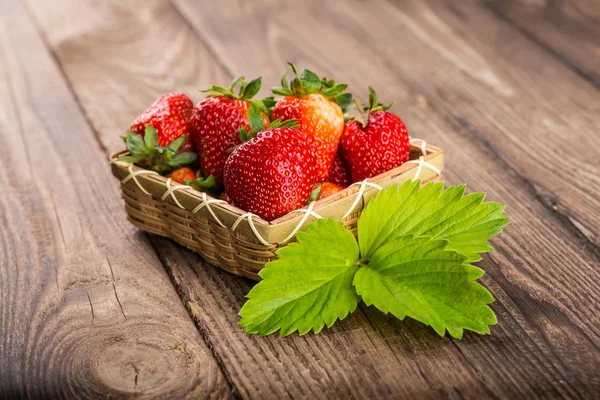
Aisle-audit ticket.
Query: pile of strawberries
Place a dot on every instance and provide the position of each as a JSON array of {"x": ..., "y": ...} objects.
[{"x": 269, "y": 156}]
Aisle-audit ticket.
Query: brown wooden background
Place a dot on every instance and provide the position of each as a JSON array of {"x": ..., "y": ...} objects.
[{"x": 92, "y": 308}]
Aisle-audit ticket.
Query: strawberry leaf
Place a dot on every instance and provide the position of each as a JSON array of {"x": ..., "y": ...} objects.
[
  {"x": 201, "y": 183},
  {"x": 335, "y": 90},
  {"x": 251, "y": 89},
  {"x": 344, "y": 100},
  {"x": 420, "y": 278},
  {"x": 255, "y": 118},
  {"x": 308, "y": 287},
  {"x": 150, "y": 136},
  {"x": 309, "y": 81},
  {"x": 129, "y": 159},
  {"x": 466, "y": 222},
  {"x": 176, "y": 144},
  {"x": 136, "y": 145},
  {"x": 181, "y": 159}
]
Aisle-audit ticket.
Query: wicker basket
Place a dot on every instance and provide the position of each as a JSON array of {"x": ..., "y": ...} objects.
[{"x": 235, "y": 240}]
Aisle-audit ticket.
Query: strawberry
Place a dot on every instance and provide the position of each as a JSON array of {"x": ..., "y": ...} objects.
[
  {"x": 181, "y": 174},
  {"x": 225, "y": 197},
  {"x": 272, "y": 173},
  {"x": 322, "y": 190},
  {"x": 217, "y": 120},
  {"x": 316, "y": 104},
  {"x": 376, "y": 143},
  {"x": 338, "y": 173},
  {"x": 145, "y": 152},
  {"x": 169, "y": 115}
]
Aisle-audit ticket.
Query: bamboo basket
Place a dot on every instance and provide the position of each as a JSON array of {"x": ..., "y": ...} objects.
[{"x": 231, "y": 238}]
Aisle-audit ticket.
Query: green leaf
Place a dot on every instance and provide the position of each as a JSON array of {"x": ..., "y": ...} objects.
[
  {"x": 315, "y": 193},
  {"x": 150, "y": 137},
  {"x": 183, "y": 159},
  {"x": 282, "y": 92},
  {"x": 335, "y": 90},
  {"x": 136, "y": 146},
  {"x": 201, "y": 183},
  {"x": 372, "y": 98},
  {"x": 268, "y": 102},
  {"x": 128, "y": 159},
  {"x": 252, "y": 88},
  {"x": 344, "y": 100},
  {"x": 176, "y": 144},
  {"x": 310, "y": 82},
  {"x": 290, "y": 123},
  {"x": 284, "y": 80},
  {"x": 236, "y": 81},
  {"x": 255, "y": 118},
  {"x": 419, "y": 278},
  {"x": 466, "y": 222},
  {"x": 309, "y": 286}
]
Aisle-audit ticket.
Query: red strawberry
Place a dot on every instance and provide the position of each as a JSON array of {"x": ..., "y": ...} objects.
[
  {"x": 315, "y": 103},
  {"x": 324, "y": 189},
  {"x": 338, "y": 173},
  {"x": 272, "y": 173},
  {"x": 169, "y": 115},
  {"x": 181, "y": 174},
  {"x": 217, "y": 120},
  {"x": 377, "y": 144},
  {"x": 225, "y": 197}
]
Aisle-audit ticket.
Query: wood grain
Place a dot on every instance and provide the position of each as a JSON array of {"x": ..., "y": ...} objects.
[
  {"x": 500, "y": 94},
  {"x": 544, "y": 275},
  {"x": 87, "y": 309},
  {"x": 539, "y": 263},
  {"x": 568, "y": 29},
  {"x": 352, "y": 361}
]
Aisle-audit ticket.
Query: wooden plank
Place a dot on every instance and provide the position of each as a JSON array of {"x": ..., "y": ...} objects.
[
  {"x": 568, "y": 29},
  {"x": 87, "y": 309},
  {"x": 353, "y": 360},
  {"x": 545, "y": 334},
  {"x": 454, "y": 57},
  {"x": 540, "y": 262}
]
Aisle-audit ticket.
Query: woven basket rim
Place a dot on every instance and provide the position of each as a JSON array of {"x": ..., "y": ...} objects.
[{"x": 432, "y": 152}]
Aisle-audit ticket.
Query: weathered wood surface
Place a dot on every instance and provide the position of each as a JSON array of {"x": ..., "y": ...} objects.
[
  {"x": 87, "y": 310},
  {"x": 461, "y": 78},
  {"x": 568, "y": 29}
]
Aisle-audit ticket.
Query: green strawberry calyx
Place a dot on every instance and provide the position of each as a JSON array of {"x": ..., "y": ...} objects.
[
  {"x": 256, "y": 124},
  {"x": 366, "y": 111},
  {"x": 245, "y": 91},
  {"x": 308, "y": 82},
  {"x": 145, "y": 152},
  {"x": 315, "y": 193},
  {"x": 202, "y": 183}
]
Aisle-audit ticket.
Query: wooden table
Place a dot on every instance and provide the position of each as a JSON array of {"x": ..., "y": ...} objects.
[{"x": 90, "y": 307}]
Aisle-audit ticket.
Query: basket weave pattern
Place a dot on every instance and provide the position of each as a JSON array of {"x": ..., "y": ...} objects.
[{"x": 234, "y": 240}]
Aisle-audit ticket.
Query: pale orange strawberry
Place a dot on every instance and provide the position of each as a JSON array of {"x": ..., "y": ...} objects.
[
  {"x": 181, "y": 174},
  {"x": 315, "y": 103}
]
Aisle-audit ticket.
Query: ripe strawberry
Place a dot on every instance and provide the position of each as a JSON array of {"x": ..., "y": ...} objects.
[
  {"x": 377, "y": 143},
  {"x": 338, "y": 173},
  {"x": 315, "y": 103},
  {"x": 322, "y": 190},
  {"x": 181, "y": 174},
  {"x": 272, "y": 173},
  {"x": 217, "y": 120},
  {"x": 169, "y": 115},
  {"x": 225, "y": 197}
]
